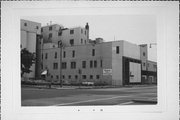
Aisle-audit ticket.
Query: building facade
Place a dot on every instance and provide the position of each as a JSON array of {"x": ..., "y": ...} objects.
[
  {"x": 69, "y": 36},
  {"x": 68, "y": 56},
  {"x": 100, "y": 63},
  {"x": 148, "y": 68}
]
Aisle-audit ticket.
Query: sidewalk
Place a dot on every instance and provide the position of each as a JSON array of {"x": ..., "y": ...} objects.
[
  {"x": 82, "y": 87},
  {"x": 146, "y": 101},
  {"x": 47, "y": 87}
]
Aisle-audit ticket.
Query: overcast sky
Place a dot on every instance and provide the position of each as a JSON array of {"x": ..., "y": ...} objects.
[{"x": 138, "y": 29}]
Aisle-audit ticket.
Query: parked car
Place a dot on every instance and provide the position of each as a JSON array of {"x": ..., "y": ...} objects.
[{"x": 88, "y": 83}]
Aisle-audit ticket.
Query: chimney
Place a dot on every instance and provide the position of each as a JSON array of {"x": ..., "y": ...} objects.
[
  {"x": 87, "y": 26},
  {"x": 87, "y": 29}
]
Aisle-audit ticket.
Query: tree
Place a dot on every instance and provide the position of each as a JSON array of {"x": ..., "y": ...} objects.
[{"x": 27, "y": 59}]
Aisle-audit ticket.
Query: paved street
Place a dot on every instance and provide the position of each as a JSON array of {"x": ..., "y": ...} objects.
[{"x": 74, "y": 97}]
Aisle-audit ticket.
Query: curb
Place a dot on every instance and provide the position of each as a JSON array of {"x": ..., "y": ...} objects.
[{"x": 145, "y": 101}]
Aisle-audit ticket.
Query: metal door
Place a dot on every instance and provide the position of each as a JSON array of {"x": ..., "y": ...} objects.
[{"x": 134, "y": 72}]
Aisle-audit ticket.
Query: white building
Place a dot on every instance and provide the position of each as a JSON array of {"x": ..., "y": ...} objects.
[{"x": 29, "y": 37}]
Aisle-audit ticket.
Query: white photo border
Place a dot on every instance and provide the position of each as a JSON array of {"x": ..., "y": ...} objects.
[{"x": 167, "y": 59}]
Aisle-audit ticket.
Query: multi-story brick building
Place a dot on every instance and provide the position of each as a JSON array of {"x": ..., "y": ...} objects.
[
  {"x": 112, "y": 63},
  {"x": 69, "y": 36},
  {"x": 101, "y": 63},
  {"x": 67, "y": 55}
]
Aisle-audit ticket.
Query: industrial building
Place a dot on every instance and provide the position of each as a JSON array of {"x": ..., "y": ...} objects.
[
  {"x": 69, "y": 56},
  {"x": 30, "y": 36}
]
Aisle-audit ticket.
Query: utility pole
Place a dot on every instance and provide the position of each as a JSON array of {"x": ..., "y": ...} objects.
[
  {"x": 80, "y": 72},
  {"x": 150, "y": 46},
  {"x": 60, "y": 62}
]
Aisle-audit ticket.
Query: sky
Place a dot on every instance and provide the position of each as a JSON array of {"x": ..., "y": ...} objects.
[{"x": 137, "y": 29}]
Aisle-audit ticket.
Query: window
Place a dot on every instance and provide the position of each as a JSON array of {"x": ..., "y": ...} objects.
[
  {"x": 25, "y": 24},
  {"x": 42, "y": 56},
  {"x": 41, "y": 29},
  {"x": 91, "y": 76},
  {"x": 101, "y": 63},
  {"x": 50, "y": 35},
  {"x": 64, "y": 54},
  {"x": 64, "y": 65},
  {"x": 41, "y": 66},
  {"x": 81, "y": 41},
  {"x": 83, "y": 64},
  {"x": 95, "y": 64},
  {"x": 85, "y": 32},
  {"x": 55, "y": 66},
  {"x": 144, "y": 54},
  {"x": 83, "y": 76},
  {"x": 63, "y": 76},
  {"x": 81, "y": 30},
  {"x": 91, "y": 64},
  {"x": 69, "y": 76},
  {"x": 37, "y": 27},
  {"x": 71, "y": 42},
  {"x": 59, "y": 33},
  {"x": 117, "y": 49},
  {"x": 55, "y": 56},
  {"x": 155, "y": 66},
  {"x": 71, "y": 31},
  {"x": 51, "y": 76},
  {"x": 57, "y": 77},
  {"x": 73, "y": 65},
  {"x": 76, "y": 76},
  {"x": 50, "y": 28},
  {"x": 93, "y": 52},
  {"x": 73, "y": 53},
  {"x": 46, "y": 56},
  {"x": 144, "y": 64},
  {"x": 97, "y": 76}
]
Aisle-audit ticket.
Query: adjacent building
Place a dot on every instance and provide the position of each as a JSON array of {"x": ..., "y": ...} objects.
[
  {"x": 30, "y": 37},
  {"x": 148, "y": 68},
  {"x": 68, "y": 36}
]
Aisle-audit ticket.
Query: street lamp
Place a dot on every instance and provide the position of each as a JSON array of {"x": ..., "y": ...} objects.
[
  {"x": 60, "y": 61},
  {"x": 150, "y": 46}
]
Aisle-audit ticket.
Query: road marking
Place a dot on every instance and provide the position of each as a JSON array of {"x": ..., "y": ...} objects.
[
  {"x": 90, "y": 100},
  {"x": 126, "y": 103},
  {"x": 93, "y": 100},
  {"x": 147, "y": 93},
  {"x": 34, "y": 89}
]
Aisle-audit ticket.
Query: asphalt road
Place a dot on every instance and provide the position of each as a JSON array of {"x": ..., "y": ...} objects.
[{"x": 86, "y": 97}]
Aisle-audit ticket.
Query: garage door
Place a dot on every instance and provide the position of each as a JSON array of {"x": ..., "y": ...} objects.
[{"x": 134, "y": 72}]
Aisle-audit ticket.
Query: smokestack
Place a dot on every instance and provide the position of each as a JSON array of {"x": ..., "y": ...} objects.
[
  {"x": 87, "y": 29},
  {"x": 87, "y": 26}
]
